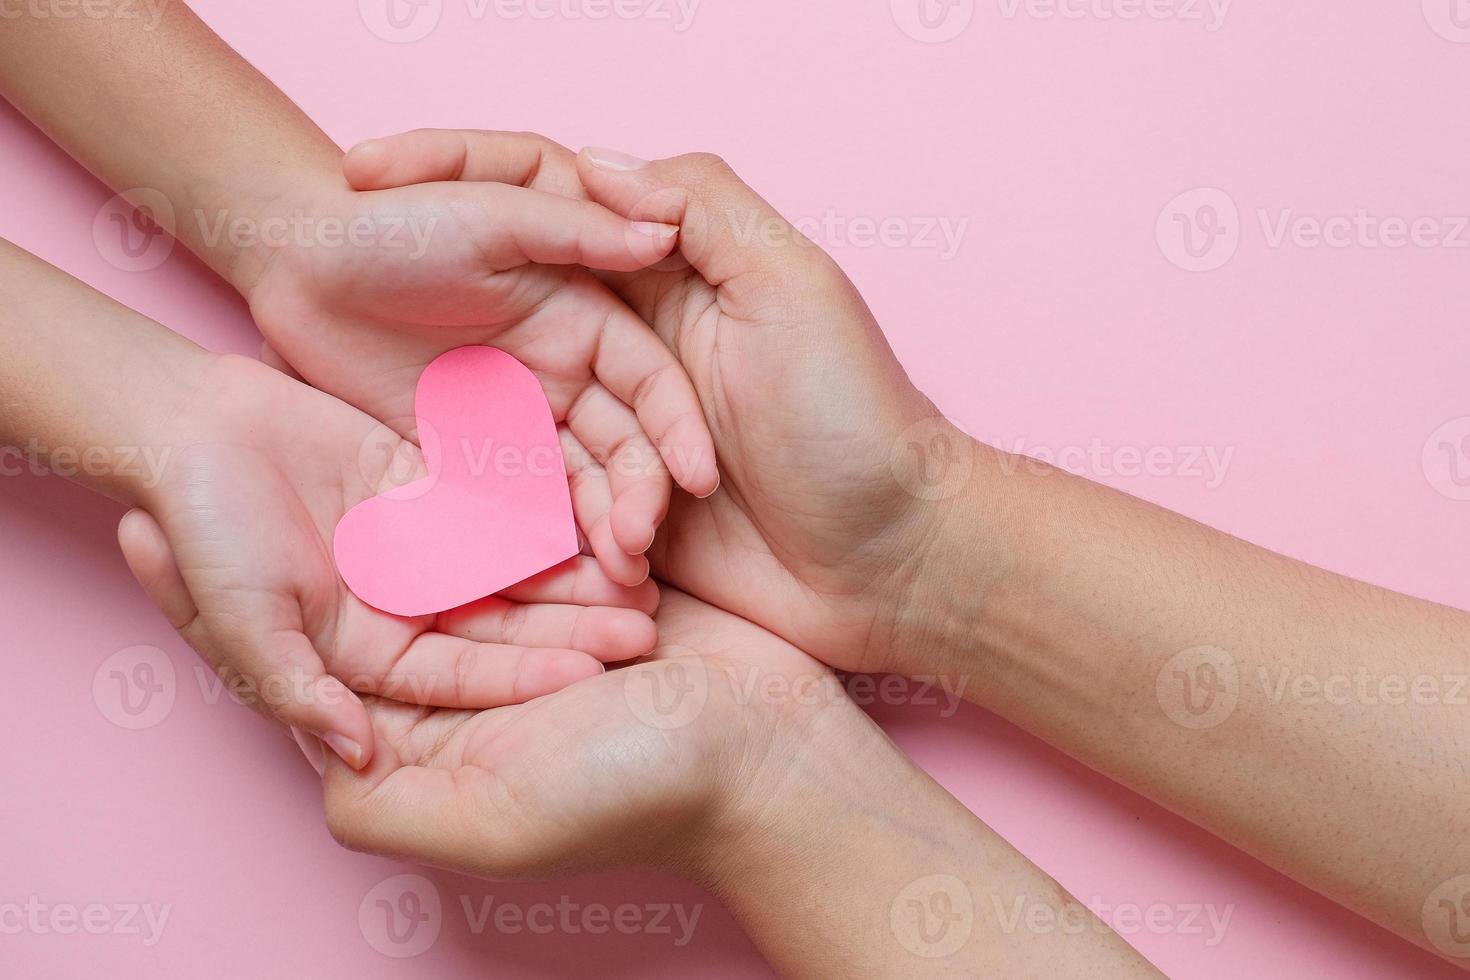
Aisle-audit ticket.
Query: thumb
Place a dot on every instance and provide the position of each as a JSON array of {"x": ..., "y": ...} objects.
[
  {"x": 728, "y": 232},
  {"x": 283, "y": 673}
]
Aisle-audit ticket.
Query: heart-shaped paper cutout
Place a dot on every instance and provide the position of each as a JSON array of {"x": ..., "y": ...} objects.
[{"x": 495, "y": 508}]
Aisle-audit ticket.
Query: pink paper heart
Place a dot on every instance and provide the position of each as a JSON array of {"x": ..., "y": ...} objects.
[{"x": 495, "y": 508}]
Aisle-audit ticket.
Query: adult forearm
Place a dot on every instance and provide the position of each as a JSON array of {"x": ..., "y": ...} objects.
[
  {"x": 861, "y": 865},
  {"x": 87, "y": 387},
  {"x": 1319, "y": 723},
  {"x": 116, "y": 86}
]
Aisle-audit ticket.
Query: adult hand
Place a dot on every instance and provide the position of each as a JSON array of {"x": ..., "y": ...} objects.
[
  {"x": 643, "y": 766},
  {"x": 820, "y": 534},
  {"x": 731, "y": 758}
]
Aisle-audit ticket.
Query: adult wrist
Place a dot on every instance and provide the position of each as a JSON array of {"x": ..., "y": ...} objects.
[
  {"x": 825, "y": 762},
  {"x": 862, "y": 865},
  {"x": 965, "y": 543}
]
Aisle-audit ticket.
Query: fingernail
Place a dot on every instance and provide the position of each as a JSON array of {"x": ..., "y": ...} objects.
[
  {"x": 655, "y": 230},
  {"x": 605, "y": 159},
  {"x": 345, "y": 747},
  {"x": 716, "y": 488},
  {"x": 311, "y": 747}
]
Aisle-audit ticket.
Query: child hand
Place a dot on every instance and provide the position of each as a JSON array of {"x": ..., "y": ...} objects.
[
  {"x": 496, "y": 258},
  {"x": 234, "y": 545}
]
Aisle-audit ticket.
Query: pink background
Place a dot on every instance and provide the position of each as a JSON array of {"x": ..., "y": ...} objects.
[{"x": 1060, "y": 320}]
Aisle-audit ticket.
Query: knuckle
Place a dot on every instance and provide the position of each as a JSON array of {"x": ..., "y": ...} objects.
[
  {"x": 464, "y": 672},
  {"x": 651, "y": 382},
  {"x": 705, "y": 173},
  {"x": 545, "y": 144},
  {"x": 514, "y": 622},
  {"x": 705, "y": 163},
  {"x": 578, "y": 479}
]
